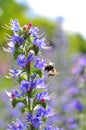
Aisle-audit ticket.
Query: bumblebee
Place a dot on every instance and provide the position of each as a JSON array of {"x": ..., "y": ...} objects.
[{"x": 50, "y": 69}]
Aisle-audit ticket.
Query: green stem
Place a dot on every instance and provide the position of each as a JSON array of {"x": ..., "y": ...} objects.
[
  {"x": 29, "y": 107},
  {"x": 29, "y": 102},
  {"x": 32, "y": 127}
]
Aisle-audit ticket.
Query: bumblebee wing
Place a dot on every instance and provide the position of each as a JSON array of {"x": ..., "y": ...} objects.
[{"x": 48, "y": 43}]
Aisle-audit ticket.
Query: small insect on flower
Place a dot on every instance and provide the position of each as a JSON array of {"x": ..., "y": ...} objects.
[{"x": 50, "y": 69}]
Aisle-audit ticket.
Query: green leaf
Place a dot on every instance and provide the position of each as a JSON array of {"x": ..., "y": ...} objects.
[
  {"x": 40, "y": 90},
  {"x": 36, "y": 91},
  {"x": 18, "y": 100},
  {"x": 44, "y": 119},
  {"x": 24, "y": 109},
  {"x": 22, "y": 77},
  {"x": 14, "y": 103},
  {"x": 37, "y": 71},
  {"x": 36, "y": 49},
  {"x": 43, "y": 104}
]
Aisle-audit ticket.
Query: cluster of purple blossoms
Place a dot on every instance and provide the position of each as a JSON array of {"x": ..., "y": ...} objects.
[{"x": 32, "y": 94}]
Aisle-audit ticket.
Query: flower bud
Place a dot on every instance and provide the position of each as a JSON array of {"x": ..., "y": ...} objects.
[{"x": 29, "y": 25}]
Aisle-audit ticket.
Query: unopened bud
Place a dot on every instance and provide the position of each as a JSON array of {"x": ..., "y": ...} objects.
[
  {"x": 25, "y": 27},
  {"x": 29, "y": 25}
]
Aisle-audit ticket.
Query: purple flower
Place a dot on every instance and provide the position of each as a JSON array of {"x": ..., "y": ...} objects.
[
  {"x": 21, "y": 60},
  {"x": 17, "y": 39},
  {"x": 49, "y": 127},
  {"x": 44, "y": 112},
  {"x": 82, "y": 61},
  {"x": 29, "y": 117},
  {"x": 36, "y": 122},
  {"x": 38, "y": 42},
  {"x": 80, "y": 66},
  {"x": 13, "y": 94},
  {"x": 16, "y": 94},
  {"x": 40, "y": 112},
  {"x": 40, "y": 64},
  {"x": 2, "y": 123},
  {"x": 73, "y": 105},
  {"x": 79, "y": 106},
  {"x": 15, "y": 73},
  {"x": 25, "y": 86},
  {"x": 73, "y": 91},
  {"x": 34, "y": 31},
  {"x": 33, "y": 77},
  {"x": 30, "y": 57},
  {"x": 71, "y": 123},
  {"x": 40, "y": 83},
  {"x": 18, "y": 125},
  {"x": 15, "y": 25},
  {"x": 42, "y": 96}
]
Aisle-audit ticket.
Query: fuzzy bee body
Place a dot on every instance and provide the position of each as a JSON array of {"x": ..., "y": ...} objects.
[{"x": 50, "y": 70}]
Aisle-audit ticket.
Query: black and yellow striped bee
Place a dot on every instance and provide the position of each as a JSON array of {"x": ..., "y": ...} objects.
[{"x": 50, "y": 69}]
